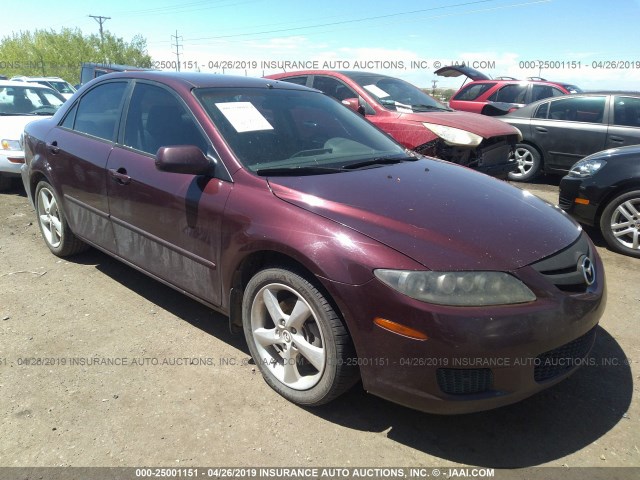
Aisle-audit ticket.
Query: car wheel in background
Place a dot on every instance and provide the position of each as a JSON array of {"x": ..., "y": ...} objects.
[
  {"x": 296, "y": 338},
  {"x": 53, "y": 224},
  {"x": 528, "y": 163},
  {"x": 620, "y": 223}
]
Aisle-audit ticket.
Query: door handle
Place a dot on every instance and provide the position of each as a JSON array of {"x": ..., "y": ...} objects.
[
  {"x": 120, "y": 176},
  {"x": 53, "y": 147},
  {"x": 616, "y": 139},
  {"x": 542, "y": 129}
]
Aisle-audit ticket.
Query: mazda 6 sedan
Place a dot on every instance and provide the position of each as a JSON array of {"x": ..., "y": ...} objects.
[{"x": 338, "y": 252}]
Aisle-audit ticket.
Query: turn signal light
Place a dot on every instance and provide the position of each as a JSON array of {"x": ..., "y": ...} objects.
[{"x": 400, "y": 329}]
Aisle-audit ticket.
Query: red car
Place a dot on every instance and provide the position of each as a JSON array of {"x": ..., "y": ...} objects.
[
  {"x": 417, "y": 120},
  {"x": 500, "y": 95},
  {"x": 341, "y": 254}
]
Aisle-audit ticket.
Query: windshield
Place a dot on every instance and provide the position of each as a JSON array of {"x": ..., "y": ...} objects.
[
  {"x": 29, "y": 101},
  {"x": 62, "y": 87},
  {"x": 282, "y": 129},
  {"x": 395, "y": 94}
]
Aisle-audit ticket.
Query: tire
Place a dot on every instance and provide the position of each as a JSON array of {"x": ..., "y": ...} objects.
[
  {"x": 298, "y": 342},
  {"x": 620, "y": 223},
  {"x": 5, "y": 183},
  {"x": 529, "y": 162},
  {"x": 53, "y": 223}
]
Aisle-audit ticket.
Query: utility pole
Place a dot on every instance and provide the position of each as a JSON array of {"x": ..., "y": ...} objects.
[
  {"x": 433, "y": 87},
  {"x": 178, "y": 47},
  {"x": 100, "y": 19}
]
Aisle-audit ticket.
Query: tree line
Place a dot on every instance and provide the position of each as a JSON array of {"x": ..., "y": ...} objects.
[{"x": 60, "y": 54}]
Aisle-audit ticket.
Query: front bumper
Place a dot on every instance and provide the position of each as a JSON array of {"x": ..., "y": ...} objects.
[
  {"x": 10, "y": 162},
  {"x": 578, "y": 200},
  {"x": 475, "y": 358}
]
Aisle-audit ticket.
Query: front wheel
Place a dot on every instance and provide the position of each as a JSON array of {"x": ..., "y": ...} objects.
[
  {"x": 296, "y": 338},
  {"x": 53, "y": 223},
  {"x": 528, "y": 163},
  {"x": 620, "y": 223}
]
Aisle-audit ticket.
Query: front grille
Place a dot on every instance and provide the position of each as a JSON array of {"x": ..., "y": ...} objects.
[
  {"x": 561, "y": 360},
  {"x": 464, "y": 381},
  {"x": 564, "y": 269}
]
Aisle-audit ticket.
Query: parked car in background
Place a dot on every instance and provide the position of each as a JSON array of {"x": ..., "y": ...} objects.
[
  {"x": 603, "y": 190},
  {"x": 90, "y": 70},
  {"x": 20, "y": 103},
  {"x": 557, "y": 132},
  {"x": 340, "y": 253},
  {"x": 63, "y": 87},
  {"x": 500, "y": 95},
  {"x": 417, "y": 120}
]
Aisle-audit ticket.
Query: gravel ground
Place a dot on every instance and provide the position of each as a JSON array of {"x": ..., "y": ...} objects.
[{"x": 152, "y": 407}]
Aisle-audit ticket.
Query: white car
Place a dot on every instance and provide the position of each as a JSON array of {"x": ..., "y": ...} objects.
[
  {"x": 60, "y": 85},
  {"x": 20, "y": 103}
]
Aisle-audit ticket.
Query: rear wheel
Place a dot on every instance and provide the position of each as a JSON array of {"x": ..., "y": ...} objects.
[
  {"x": 53, "y": 223},
  {"x": 528, "y": 163},
  {"x": 620, "y": 223},
  {"x": 297, "y": 340}
]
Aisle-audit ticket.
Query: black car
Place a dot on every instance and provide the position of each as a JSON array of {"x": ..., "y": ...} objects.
[
  {"x": 557, "y": 132},
  {"x": 603, "y": 190}
]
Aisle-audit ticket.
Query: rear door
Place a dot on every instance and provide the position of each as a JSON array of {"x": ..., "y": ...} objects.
[
  {"x": 77, "y": 150},
  {"x": 571, "y": 128},
  {"x": 624, "y": 128},
  {"x": 168, "y": 224}
]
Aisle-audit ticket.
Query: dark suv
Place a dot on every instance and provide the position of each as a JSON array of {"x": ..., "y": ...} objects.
[{"x": 500, "y": 95}]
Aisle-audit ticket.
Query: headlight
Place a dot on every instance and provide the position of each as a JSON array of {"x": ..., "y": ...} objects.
[
  {"x": 586, "y": 167},
  {"x": 454, "y": 136},
  {"x": 464, "y": 289},
  {"x": 10, "y": 144}
]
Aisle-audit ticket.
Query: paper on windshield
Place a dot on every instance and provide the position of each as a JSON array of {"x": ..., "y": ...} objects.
[
  {"x": 377, "y": 91},
  {"x": 244, "y": 116}
]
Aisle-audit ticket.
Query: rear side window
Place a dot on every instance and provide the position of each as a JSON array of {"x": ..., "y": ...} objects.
[
  {"x": 473, "y": 91},
  {"x": 540, "y": 92},
  {"x": 99, "y": 110},
  {"x": 512, "y": 93},
  {"x": 297, "y": 80},
  {"x": 542, "y": 111},
  {"x": 580, "y": 109},
  {"x": 626, "y": 111}
]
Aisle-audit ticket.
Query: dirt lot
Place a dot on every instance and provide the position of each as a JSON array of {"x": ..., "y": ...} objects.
[{"x": 156, "y": 407}]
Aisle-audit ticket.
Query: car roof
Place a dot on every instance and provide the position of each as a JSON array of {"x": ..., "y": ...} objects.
[
  {"x": 21, "y": 77},
  {"x": 13, "y": 83},
  {"x": 198, "y": 80}
]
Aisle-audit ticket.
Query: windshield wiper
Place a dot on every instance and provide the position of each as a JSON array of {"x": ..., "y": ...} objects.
[
  {"x": 430, "y": 107},
  {"x": 378, "y": 161},
  {"x": 296, "y": 171}
]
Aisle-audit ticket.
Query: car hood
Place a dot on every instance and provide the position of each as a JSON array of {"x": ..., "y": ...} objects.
[
  {"x": 457, "y": 70},
  {"x": 12, "y": 126},
  {"x": 482, "y": 125},
  {"x": 444, "y": 216}
]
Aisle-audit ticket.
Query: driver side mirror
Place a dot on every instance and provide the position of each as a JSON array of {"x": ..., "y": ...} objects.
[
  {"x": 187, "y": 159},
  {"x": 354, "y": 104}
]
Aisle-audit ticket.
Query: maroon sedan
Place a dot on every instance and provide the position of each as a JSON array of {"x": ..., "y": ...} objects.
[
  {"x": 417, "y": 120},
  {"x": 340, "y": 254}
]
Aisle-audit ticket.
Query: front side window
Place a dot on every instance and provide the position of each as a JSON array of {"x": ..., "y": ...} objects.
[
  {"x": 512, "y": 93},
  {"x": 626, "y": 111},
  {"x": 579, "y": 109},
  {"x": 291, "y": 129},
  {"x": 334, "y": 88},
  {"x": 99, "y": 110},
  {"x": 297, "y": 80},
  {"x": 156, "y": 118}
]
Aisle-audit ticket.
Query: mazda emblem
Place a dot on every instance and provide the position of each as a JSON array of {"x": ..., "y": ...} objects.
[{"x": 588, "y": 270}]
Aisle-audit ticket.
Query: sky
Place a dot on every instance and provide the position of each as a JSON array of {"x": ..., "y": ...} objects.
[{"x": 594, "y": 44}]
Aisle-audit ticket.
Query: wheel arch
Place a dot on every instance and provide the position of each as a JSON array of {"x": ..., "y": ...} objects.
[{"x": 625, "y": 186}]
